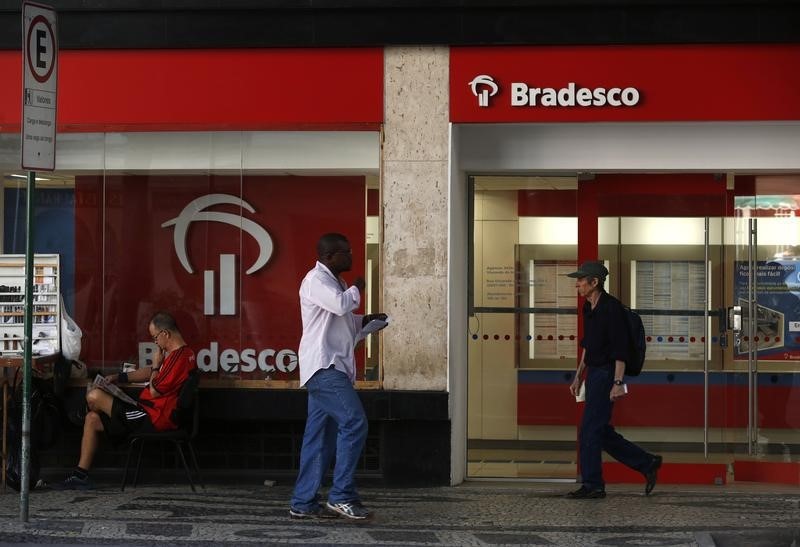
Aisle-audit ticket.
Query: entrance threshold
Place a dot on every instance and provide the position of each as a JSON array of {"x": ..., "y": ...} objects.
[{"x": 519, "y": 479}]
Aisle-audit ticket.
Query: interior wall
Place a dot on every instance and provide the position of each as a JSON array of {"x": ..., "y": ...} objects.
[{"x": 493, "y": 373}]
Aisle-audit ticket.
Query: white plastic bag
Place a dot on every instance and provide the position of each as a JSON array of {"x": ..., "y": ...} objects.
[{"x": 70, "y": 336}]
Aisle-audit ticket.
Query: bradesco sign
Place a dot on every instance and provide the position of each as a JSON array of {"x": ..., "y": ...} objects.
[
  {"x": 624, "y": 83},
  {"x": 522, "y": 94}
]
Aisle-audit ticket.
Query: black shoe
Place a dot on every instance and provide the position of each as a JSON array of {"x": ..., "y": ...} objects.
[
  {"x": 651, "y": 475},
  {"x": 73, "y": 482},
  {"x": 584, "y": 493}
]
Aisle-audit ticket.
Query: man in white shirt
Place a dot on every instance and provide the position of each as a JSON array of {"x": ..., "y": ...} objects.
[{"x": 336, "y": 423}]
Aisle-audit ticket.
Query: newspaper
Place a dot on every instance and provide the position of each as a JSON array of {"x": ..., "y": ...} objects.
[
  {"x": 113, "y": 389},
  {"x": 581, "y": 396},
  {"x": 373, "y": 326}
]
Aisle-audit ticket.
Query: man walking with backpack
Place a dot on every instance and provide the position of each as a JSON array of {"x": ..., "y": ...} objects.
[{"x": 606, "y": 346}]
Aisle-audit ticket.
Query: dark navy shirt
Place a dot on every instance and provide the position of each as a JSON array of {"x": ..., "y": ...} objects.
[{"x": 605, "y": 336}]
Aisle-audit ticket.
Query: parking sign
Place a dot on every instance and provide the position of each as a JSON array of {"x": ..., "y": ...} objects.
[{"x": 39, "y": 87}]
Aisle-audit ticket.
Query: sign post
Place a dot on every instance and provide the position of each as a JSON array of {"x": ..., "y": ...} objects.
[{"x": 39, "y": 87}]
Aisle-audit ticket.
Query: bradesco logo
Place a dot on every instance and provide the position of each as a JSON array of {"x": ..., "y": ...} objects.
[
  {"x": 483, "y": 87},
  {"x": 195, "y": 211},
  {"x": 522, "y": 94},
  {"x": 213, "y": 359},
  {"x": 230, "y": 360}
]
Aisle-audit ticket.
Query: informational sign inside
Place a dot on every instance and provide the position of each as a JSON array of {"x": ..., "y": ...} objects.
[
  {"x": 39, "y": 87},
  {"x": 777, "y": 311}
]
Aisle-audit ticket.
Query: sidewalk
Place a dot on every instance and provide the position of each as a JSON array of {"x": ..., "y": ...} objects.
[{"x": 471, "y": 514}]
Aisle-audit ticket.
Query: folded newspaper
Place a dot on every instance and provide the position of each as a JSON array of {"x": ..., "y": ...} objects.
[
  {"x": 373, "y": 326},
  {"x": 581, "y": 396},
  {"x": 113, "y": 389}
]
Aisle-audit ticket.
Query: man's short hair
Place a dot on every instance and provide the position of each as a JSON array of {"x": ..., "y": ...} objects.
[
  {"x": 329, "y": 244},
  {"x": 164, "y": 321}
]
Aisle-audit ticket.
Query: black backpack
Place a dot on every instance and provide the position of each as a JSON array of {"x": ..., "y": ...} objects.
[
  {"x": 45, "y": 432},
  {"x": 636, "y": 342}
]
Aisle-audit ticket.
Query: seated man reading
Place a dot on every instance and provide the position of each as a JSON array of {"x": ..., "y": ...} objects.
[{"x": 172, "y": 363}]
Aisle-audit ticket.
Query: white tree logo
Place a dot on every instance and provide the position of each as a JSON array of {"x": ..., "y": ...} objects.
[
  {"x": 483, "y": 87},
  {"x": 195, "y": 211}
]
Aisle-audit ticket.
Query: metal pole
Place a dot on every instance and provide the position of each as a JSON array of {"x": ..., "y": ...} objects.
[
  {"x": 707, "y": 332},
  {"x": 754, "y": 329},
  {"x": 26, "y": 366},
  {"x": 749, "y": 334}
]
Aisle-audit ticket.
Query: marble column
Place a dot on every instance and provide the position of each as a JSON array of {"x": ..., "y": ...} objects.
[{"x": 414, "y": 198}]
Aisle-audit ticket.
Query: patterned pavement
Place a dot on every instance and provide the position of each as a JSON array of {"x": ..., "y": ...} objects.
[{"x": 471, "y": 514}]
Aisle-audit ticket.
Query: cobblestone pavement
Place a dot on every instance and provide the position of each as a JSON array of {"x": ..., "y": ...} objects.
[{"x": 470, "y": 514}]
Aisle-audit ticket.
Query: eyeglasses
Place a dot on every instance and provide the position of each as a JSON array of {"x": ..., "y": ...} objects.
[{"x": 155, "y": 338}]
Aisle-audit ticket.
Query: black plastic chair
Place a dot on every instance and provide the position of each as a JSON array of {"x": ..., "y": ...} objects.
[{"x": 188, "y": 418}]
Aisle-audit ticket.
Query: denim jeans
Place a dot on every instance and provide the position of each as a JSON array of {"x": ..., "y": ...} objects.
[
  {"x": 597, "y": 433},
  {"x": 336, "y": 425}
]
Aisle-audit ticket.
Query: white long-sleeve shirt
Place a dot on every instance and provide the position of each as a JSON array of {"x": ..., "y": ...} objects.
[{"x": 329, "y": 324}]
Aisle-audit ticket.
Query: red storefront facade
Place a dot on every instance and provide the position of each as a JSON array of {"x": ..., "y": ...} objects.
[
  {"x": 579, "y": 153},
  {"x": 583, "y": 148}
]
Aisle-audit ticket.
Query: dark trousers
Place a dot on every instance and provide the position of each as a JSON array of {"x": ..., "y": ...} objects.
[{"x": 597, "y": 433}]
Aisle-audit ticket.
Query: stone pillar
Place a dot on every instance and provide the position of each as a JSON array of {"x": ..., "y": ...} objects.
[{"x": 414, "y": 197}]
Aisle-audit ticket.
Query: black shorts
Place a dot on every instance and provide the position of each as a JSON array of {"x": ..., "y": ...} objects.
[{"x": 125, "y": 419}]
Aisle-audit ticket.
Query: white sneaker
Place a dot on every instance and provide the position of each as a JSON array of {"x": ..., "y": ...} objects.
[{"x": 351, "y": 510}]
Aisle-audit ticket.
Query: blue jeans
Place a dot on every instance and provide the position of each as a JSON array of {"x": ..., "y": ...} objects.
[
  {"x": 597, "y": 433},
  {"x": 336, "y": 425}
]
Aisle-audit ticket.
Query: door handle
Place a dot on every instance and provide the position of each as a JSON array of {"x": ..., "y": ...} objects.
[{"x": 735, "y": 319}]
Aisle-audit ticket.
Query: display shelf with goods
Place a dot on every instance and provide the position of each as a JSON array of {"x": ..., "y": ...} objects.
[{"x": 45, "y": 299}]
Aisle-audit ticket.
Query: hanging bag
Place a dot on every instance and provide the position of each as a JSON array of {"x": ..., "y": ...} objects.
[{"x": 70, "y": 336}]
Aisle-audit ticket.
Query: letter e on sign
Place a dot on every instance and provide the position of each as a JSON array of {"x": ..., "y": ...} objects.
[{"x": 39, "y": 87}]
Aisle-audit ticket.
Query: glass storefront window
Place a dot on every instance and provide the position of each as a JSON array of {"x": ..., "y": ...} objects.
[
  {"x": 680, "y": 249},
  {"x": 218, "y": 228}
]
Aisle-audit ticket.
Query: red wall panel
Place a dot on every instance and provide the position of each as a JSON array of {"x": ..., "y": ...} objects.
[
  {"x": 665, "y": 405},
  {"x": 250, "y": 89},
  {"x": 644, "y": 194}
]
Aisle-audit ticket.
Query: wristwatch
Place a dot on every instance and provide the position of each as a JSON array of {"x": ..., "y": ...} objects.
[{"x": 619, "y": 383}]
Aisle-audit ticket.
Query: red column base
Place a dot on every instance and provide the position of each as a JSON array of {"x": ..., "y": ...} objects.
[
  {"x": 774, "y": 472},
  {"x": 670, "y": 473}
]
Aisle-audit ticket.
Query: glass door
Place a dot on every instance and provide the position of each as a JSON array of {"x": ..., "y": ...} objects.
[
  {"x": 661, "y": 237},
  {"x": 765, "y": 314},
  {"x": 523, "y": 328}
]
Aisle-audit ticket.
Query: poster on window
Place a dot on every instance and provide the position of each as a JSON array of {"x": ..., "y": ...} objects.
[
  {"x": 553, "y": 334},
  {"x": 224, "y": 255},
  {"x": 777, "y": 313},
  {"x": 671, "y": 286}
]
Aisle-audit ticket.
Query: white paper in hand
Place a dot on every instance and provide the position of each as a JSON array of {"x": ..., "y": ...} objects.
[
  {"x": 373, "y": 326},
  {"x": 581, "y": 396}
]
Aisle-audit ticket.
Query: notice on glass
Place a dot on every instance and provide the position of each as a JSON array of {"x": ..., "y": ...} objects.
[
  {"x": 667, "y": 286},
  {"x": 553, "y": 335}
]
